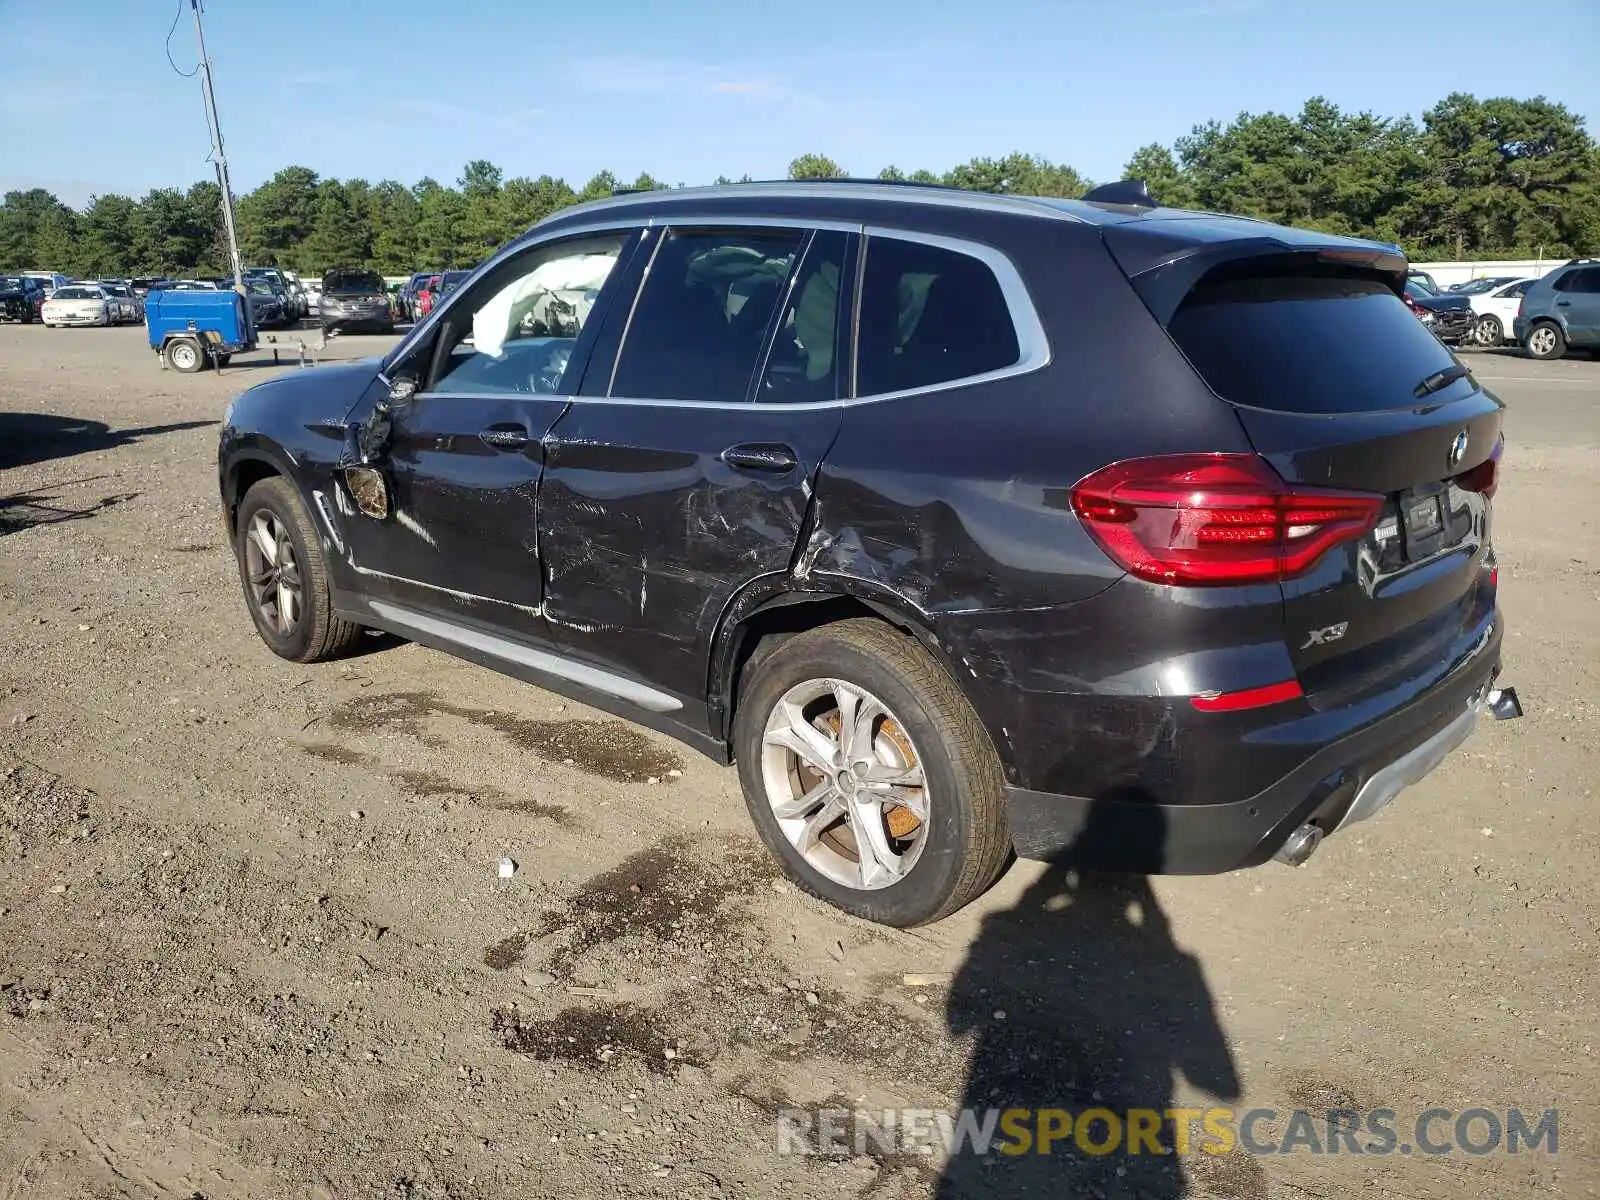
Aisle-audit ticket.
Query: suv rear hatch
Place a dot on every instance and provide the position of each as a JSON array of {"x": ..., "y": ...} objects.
[{"x": 1338, "y": 386}]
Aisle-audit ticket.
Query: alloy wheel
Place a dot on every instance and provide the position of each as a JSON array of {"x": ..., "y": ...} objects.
[
  {"x": 845, "y": 783},
  {"x": 276, "y": 588}
]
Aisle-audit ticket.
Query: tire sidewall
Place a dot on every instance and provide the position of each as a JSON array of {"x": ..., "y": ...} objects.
[
  {"x": 938, "y": 869},
  {"x": 260, "y": 497},
  {"x": 1556, "y": 347}
]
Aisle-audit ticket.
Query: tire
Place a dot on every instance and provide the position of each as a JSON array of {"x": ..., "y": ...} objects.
[
  {"x": 1546, "y": 341},
  {"x": 1488, "y": 331},
  {"x": 959, "y": 843},
  {"x": 313, "y": 633},
  {"x": 184, "y": 355}
]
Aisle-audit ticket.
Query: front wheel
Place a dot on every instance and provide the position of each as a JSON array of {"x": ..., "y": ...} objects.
[
  {"x": 869, "y": 776},
  {"x": 285, "y": 576},
  {"x": 1546, "y": 341}
]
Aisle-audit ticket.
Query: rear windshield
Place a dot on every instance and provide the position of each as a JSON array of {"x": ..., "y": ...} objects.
[{"x": 1307, "y": 343}]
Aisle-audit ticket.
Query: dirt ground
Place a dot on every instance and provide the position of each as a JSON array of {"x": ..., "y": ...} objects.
[{"x": 253, "y": 942}]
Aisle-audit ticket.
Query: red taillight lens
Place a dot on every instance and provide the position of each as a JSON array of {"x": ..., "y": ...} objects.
[
  {"x": 1212, "y": 519},
  {"x": 1485, "y": 477}
]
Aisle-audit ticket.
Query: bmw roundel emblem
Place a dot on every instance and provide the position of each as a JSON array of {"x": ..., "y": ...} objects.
[{"x": 1458, "y": 449}]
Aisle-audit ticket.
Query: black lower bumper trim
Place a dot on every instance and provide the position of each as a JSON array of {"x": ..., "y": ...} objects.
[{"x": 1130, "y": 832}]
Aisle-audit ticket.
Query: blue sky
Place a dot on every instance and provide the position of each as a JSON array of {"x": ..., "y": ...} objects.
[{"x": 407, "y": 88}]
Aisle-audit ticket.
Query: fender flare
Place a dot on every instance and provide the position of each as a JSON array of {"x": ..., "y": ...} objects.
[{"x": 770, "y": 592}]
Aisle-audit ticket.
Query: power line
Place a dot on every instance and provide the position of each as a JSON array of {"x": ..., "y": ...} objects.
[{"x": 176, "y": 17}]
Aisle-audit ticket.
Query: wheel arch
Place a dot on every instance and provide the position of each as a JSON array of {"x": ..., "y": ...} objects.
[
  {"x": 243, "y": 471},
  {"x": 771, "y": 610}
]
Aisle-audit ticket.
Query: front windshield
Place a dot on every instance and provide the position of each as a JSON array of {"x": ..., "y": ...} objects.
[
  {"x": 8, "y": 282},
  {"x": 352, "y": 281},
  {"x": 259, "y": 287},
  {"x": 78, "y": 293}
]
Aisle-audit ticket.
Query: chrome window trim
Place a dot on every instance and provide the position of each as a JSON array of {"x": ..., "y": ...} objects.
[
  {"x": 535, "y": 239},
  {"x": 1033, "y": 345}
]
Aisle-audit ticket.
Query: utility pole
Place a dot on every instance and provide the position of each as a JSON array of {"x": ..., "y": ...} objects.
[{"x": 217, "y": 155}]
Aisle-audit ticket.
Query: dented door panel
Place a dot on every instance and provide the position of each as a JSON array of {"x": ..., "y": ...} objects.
[{"x": 648, "y": 531}]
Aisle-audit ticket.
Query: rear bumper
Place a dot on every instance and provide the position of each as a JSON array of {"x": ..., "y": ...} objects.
[{"x": 1132, "y": 832}]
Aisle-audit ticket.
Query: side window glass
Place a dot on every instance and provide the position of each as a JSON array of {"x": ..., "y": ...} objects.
[
  {"x": 1565, "y": 282},
  {"x": 1587, "y": 282},
  {"x": 929, "y": 315},
  {"x": 516, "y": 331},
  {"x": 803, "y": 366},
  {"x": 701, "y": 319}
]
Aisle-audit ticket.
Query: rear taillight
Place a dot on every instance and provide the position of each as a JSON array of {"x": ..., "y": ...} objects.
[
  {"x": 1484, "y": 477},
  {"x": 1215, "y": 519}
]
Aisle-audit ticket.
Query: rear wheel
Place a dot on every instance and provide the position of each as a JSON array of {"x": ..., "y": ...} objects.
[
  {"x": 285, "y": 576},
  {"x": 184, "y": 354},
  {"x": 1488, "y": 331},
  {"x": 869, "y": 776},
  {"x": 1546, "y": 341}
]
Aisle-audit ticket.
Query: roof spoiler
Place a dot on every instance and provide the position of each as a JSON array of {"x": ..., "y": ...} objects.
[
  {"x": 1134, "y": 193},
  {"x": 1163, "y": 270}
]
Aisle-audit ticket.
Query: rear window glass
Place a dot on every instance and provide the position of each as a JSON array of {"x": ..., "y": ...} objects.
[
  {"x": 929, "y": 315},
  {"x": 1307, "y": 343}
]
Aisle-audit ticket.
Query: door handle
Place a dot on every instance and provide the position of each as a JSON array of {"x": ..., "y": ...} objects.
[
  {"x": 760, "y": 456},
  {"x": 1563, "y": 303},
  {"x": 505, "y": 437}
]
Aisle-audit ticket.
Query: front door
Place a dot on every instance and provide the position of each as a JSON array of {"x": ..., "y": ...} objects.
[
  {"x": 690, "y": 472},
  {"x": 466, "y": 452}
]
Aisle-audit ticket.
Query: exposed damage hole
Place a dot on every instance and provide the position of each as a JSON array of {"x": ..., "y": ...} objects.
[
  {"x": 610, "y": 749},
  {"x": 591, "y": 1037}
]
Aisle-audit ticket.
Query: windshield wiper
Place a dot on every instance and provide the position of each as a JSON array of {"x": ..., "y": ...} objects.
[{"x": 1441, "y": 379}]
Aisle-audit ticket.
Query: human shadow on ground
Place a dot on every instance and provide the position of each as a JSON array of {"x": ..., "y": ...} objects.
[
  {"x": 27, "y": 438},
  {"x": 1078, "y": 998}
]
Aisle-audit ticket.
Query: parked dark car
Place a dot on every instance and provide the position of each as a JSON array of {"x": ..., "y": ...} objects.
[
  {"x": 408, "y": 295},
  {"x": 141, "y": 285},
  {"x": 1561, "y": 310},
  {"x": 1448, "y": 315},
  {"x": 266, "y": 302},
  {"x": 354, "y": 299},
  {"x": 1115, "y": 535},
  {"x": 21, "y": 298},
  {"x": 290, "y": 295}
]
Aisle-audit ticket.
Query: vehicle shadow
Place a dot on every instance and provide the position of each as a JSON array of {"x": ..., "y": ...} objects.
[
  {"x": 40, "y": 506},
  {"x": 1079, "y": 999},
  {"x": 39, "y": 437}
]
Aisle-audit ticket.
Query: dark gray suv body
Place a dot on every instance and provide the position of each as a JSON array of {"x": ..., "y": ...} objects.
[{"x": 964, "y": 524}]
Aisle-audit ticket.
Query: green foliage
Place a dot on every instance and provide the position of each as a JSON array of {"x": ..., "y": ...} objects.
[
  {"x": 816, "y": 166},
  {"x": 1475, "y": 179}
]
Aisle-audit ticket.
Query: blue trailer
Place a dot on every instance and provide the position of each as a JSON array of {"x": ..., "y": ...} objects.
[{"x": 191, "y": 329}]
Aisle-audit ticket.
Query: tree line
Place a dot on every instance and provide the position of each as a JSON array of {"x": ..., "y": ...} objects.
[{"x": 1475, "y": 179}]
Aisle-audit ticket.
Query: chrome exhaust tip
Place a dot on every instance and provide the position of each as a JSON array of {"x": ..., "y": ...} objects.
[
  {"x": 1503, "y": 704},
  {"x": 1299, "y": 846}
]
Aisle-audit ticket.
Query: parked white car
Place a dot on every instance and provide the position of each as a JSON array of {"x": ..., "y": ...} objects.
[
  {"x": 1495, "y": 310},
  {"x": 80, "y": 304}
]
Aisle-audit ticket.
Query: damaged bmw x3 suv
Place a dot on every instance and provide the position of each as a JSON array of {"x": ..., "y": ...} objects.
[{"x": 966, "y": 526}]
